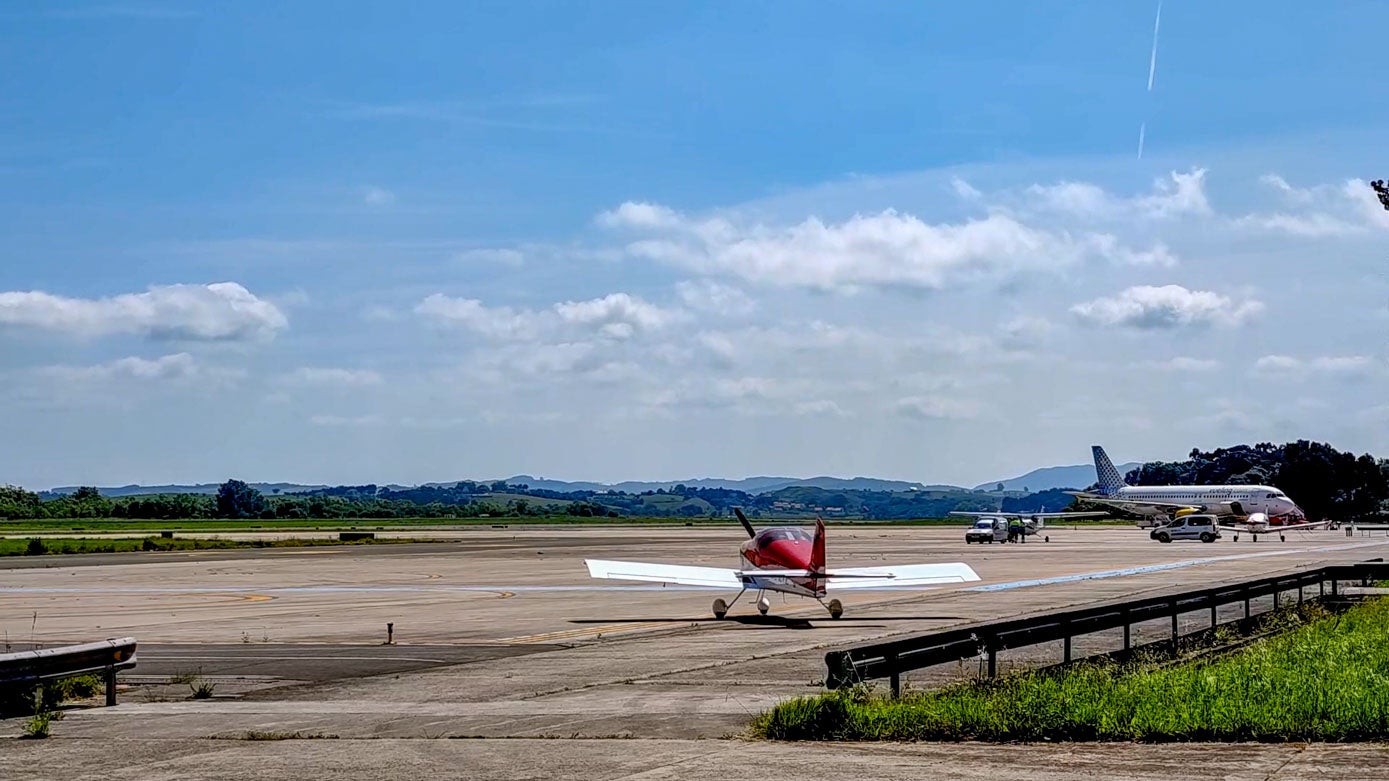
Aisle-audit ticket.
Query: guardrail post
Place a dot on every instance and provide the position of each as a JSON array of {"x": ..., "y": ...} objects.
[
  {"x": 1214, "y": 618},
  {"x": 894, "y": 675},
  {"x": 1333, "y": 586},
  {"x": 1128, "y": 627},
  {"x": 1246, "y": 606},
  {"x": 1299, "y": 595},
  {"x": 1175, "y": 632},
  {"x": 110, "y": 686},
  {"x": 993, "y": 659},
  {"x": 1066, "y": 651},
  {"x": 1321, "y": 588},
  {"x": 1275, "y": 600}
]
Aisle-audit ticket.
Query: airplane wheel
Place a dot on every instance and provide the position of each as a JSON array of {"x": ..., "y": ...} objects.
[
  {"x": 720, "y": 608},
  {"x": 763, "y": 605},
  {"x": 1281, "y": 538},
  {"x": 836, "y": 608},
  {"x": 1046, "y": 539}
]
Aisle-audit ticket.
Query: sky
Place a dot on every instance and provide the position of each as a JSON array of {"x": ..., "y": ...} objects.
[{"x": 348, "y": 242}]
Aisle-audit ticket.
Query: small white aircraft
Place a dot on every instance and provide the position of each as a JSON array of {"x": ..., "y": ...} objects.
[
  {"x": 785, "y": 559},
  {"x": 1255, "y": 524},
  {"x": 993, "y": 526}
]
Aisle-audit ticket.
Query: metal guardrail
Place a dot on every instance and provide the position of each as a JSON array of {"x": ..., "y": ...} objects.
[
  {"x": 49, "y": 664},
  {"x": 891, "y": 659}
]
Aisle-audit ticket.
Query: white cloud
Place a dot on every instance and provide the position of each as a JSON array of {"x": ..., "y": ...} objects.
[
  {"x": 1168, "y": 306},
  {"x": 224, "y": 311},
  {"x": 1289, "y": 366},
  {"x": 888, "y": 249},
  {"x": 506, "y": 256},
  {"x": 1180, "y": 194},
  {"x": 936, "y": 408},
  {"x": 493, "y": 322},
  {"x": 714, "y": 298},
  {"x": 617, "y": 316},
  {"x": 377, "y": 196},
  {"x": 347, "y": 421},
  {"x": 1180, "y": 364},
  {"x": 176, "y": 366},
  {"x": 352, "y": 378},
  {"x": 965, "y": 190}
]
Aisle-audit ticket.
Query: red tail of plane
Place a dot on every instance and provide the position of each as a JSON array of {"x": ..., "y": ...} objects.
[{"x": 817, "y": 547}]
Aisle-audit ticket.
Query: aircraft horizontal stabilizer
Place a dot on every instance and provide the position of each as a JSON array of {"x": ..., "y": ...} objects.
[
  {"x": 905, "y": 576},
  {"x": 676, "y": 574}
]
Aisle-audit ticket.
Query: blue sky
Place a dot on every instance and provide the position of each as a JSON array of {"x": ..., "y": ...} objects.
[{"x": 650, "y": 241}]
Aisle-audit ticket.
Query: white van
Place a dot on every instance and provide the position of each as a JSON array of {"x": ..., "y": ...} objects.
[{"x": 1191, "y": 527}]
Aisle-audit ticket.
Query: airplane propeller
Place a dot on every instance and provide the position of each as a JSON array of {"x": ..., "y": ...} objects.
[{"x": 743, "y": 519}]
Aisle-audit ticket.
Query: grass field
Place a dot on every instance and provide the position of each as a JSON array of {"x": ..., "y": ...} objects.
[
  {"x": 51, "y": 546},
  {"x": 1323, "y": 682}
]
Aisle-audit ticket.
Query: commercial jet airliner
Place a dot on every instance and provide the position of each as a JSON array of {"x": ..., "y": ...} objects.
[{"x": 1167, "y": 501}]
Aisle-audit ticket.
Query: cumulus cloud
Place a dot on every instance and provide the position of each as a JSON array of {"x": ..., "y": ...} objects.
[
  {"x": 616, "y": 316},
  {"x": 494, "y": 322},
  {"x": 351, "y": 378},
  {"x": 1168, "y": 306},
  {"x": 224, "y": 311},
  {"x": 1180, "y": 194},
  {"x": 877, "y": 250}
]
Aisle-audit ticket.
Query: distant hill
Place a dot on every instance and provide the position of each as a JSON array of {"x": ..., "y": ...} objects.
[
  {"x": 197, "y": 488},
  {"x": 1048, "y": 478},
  {"x": 752, "y": 485}
]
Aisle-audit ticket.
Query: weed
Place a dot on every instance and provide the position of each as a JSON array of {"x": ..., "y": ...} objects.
[
  {"x": 255, "y": 734},
  {"x": 202, "y": 688},
  {"x": 1317, "y": 681}
]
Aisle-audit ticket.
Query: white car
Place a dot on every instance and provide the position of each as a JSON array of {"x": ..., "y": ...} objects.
[
  {"x": 1191, "y": 527},
  {"x": 988, "y": 530}
]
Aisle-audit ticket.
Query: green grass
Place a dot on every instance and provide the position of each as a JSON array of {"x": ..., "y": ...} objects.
[
  {"x": 1322, "y": 682},
  {"x": 63, "y": 545}
]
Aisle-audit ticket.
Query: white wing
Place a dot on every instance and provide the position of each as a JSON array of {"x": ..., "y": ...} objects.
[
  {"x": 1030, "y": 515},
  {"x": 664, "y": 573},
  {"x": 905, "y": 576}
]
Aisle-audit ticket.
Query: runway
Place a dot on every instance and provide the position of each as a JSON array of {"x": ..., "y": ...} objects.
[{"x": 502, "y": 635}]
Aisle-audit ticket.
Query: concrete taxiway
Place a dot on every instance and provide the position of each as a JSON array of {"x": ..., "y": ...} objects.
[{"x": 502, "y": 635}]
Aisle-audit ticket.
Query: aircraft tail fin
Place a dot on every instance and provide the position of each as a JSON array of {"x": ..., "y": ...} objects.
[
  {"x": 1109, "y": 478},
  {"x": 817, "y": 547}
]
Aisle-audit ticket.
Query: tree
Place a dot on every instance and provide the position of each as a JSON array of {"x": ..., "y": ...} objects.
[
  {"x": 235, "y": 499},
  {"x": 1382, "y": 190}
]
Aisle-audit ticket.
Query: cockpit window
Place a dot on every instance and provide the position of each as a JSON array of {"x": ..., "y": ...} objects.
[{"x": 793, "y": 534}]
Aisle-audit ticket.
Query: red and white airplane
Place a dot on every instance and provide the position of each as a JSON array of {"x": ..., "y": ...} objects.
[{"x": 785, "y": 559}]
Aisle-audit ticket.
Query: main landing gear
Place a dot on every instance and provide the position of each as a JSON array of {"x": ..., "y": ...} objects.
[{"x": 764, "y": 605}]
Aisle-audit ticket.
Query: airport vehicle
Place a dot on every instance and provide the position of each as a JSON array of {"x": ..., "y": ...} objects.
[
  {"x": 787, "y": 559},
  {"x": 993, "y": 526},
  {"x": 1156, "y": 502},
  {"x": 1188, "y": 527},
  {"x": 1257, "y": 523}
]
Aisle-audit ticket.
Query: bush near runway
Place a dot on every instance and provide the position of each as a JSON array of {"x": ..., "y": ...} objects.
[{"x": 1320, "y": 682}]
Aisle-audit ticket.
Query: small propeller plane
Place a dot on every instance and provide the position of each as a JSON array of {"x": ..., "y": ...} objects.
[
  {"x": 787, "y": 559},
  {"x": 1255, "y": 524}
]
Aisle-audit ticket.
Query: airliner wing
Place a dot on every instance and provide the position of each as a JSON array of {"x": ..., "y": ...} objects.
[
  {"x": 676, "y": 574},
  {"x": 904, "y": 576},
  {"x": 1129, "y": 504}
]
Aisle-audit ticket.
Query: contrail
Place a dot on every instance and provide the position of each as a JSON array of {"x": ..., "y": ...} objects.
[
  {"x": 1142, "y": 128},
  {"x": 1152, "y": 61}
]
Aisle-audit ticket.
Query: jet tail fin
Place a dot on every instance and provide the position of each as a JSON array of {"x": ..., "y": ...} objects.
[
  {"x": 817, "y": 547},
  {"x": 1110, "y": 480}
]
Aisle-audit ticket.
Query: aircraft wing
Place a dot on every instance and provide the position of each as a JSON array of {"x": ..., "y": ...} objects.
[
  {"x": 1309, "y": 525},
  {"x": 904, "y": 576},
  {"x": 676, "y": 574},
  {"x": 1029, "y": 515}
]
